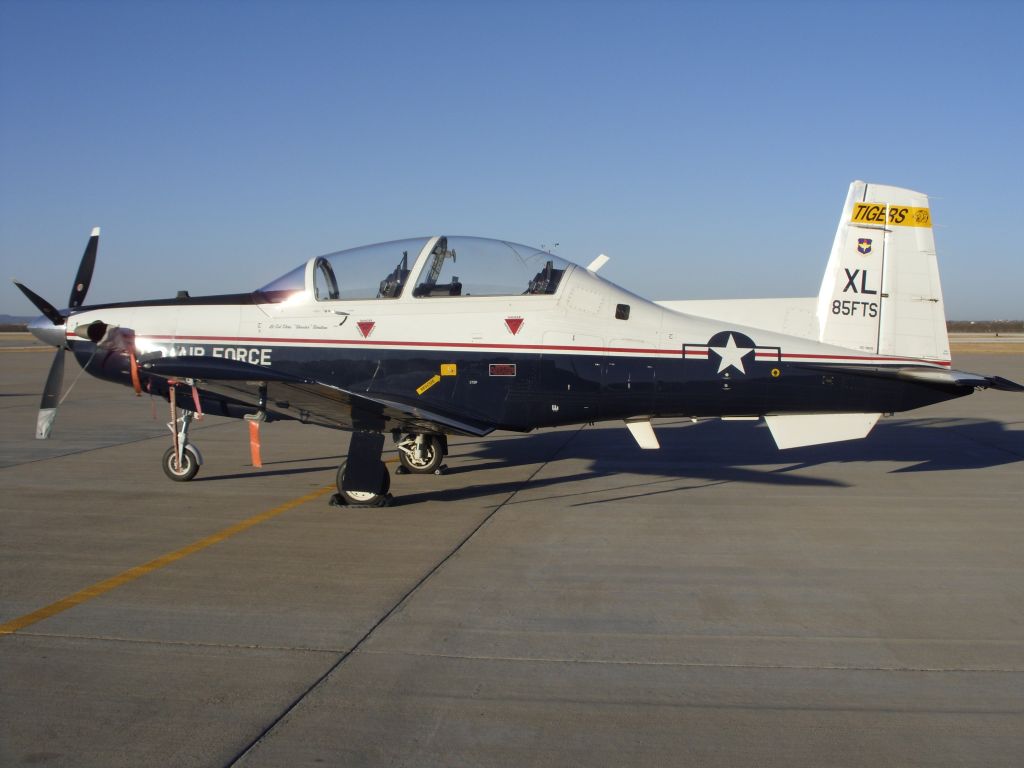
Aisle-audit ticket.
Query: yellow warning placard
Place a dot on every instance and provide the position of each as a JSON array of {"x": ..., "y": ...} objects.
[
  {"x": 449, "y": 369},
  {"x": 891, "y": 215},
  {"x": 427, "y": 384}
]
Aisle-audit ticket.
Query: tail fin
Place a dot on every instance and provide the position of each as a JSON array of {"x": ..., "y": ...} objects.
[{"x": 881, "y": 291}]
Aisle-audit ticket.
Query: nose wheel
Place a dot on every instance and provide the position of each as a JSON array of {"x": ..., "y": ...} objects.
[
  {"x": 182, "y": 460},
  {"x": 183, "y": 469}
]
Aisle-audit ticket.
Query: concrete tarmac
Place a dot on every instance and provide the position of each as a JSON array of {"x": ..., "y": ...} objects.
[{"x": 560, "y": 598}]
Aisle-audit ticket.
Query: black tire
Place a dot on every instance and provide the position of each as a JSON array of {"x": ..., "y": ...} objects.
[
  {"x": 434, "y": 455},
  {"x": 364, "y": 498},
  {"x": 189, "y": 466}
]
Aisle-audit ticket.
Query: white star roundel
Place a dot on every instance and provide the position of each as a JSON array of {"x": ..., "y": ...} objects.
[{"x": 731, "y": 354}]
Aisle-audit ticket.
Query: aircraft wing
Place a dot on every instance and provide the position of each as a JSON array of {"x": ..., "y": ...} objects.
[{"x": 307, "y": 400}]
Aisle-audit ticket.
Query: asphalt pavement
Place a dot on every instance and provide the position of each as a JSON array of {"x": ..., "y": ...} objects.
[{"x": 559, "y": 598}]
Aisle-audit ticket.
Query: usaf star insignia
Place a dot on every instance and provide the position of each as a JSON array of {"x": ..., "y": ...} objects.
[{"x": 731, "y": 355}]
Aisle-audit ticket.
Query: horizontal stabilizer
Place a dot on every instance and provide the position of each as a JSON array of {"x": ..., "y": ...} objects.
[
  {"x": 961, "y": 379},
  {"x": 925, "y": 375},
  {"x": 799, "y": 429},
  {"x": 998, "y": 382}
]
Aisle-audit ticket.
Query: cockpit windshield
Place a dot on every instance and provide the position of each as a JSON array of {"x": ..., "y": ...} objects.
[
  {"x": 455, "y": 266},
  {"x": 377, "y": 271},
  {"x": 286, "y": 285}
]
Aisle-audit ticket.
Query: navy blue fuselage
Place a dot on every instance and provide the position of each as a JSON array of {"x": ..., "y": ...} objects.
[{"x": 552, "y": 389}]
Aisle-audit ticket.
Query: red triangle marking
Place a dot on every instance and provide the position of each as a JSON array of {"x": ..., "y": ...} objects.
[
  {"x": 365, "y": 327},
  {"x": 514, "y": 324}
]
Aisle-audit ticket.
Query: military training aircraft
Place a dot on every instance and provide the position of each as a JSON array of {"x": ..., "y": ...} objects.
[{"x": 438, "y": 336}]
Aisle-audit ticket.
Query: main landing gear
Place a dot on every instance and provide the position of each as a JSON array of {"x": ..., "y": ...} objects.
[
  {"x": 422, "y": 454},
  {"x": 363, "y": 480},
  {"x": 353, "y": 498}
]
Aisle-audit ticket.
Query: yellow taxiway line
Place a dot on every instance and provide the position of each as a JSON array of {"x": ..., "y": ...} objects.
[{"x": 102, "y": 587}]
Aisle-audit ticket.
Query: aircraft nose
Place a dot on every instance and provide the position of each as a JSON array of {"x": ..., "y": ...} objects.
[{"x": 47, "y": 332}]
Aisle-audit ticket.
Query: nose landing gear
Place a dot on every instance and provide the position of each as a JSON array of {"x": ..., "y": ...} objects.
[
  {"x": 184, "y": 467},
  {"x": 182, "y": 460}
]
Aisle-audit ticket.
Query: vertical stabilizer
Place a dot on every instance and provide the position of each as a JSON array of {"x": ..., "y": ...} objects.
[{"x": 881, "y": 292}]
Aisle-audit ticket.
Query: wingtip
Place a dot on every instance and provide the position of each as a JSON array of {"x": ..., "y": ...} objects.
[{"x": 95, "y": 232}]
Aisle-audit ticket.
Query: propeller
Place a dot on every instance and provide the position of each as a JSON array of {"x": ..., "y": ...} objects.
[
  {"x": 54, "y": 333},
  {"x": 49, "y": 311}
]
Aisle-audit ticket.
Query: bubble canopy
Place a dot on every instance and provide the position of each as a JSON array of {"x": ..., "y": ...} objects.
[{"x": 423, "y": 268}]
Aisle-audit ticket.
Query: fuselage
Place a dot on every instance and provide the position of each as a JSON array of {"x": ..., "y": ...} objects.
[{"x": 587, "y": 350}]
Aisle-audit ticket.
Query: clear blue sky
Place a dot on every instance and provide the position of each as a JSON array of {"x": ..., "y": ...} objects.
[{"x": 706, "y": 147}]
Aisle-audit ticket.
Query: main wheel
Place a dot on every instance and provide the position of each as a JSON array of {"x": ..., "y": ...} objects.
[
  {"x": 364, "y": 498},
  {"x": 188, "y": 469},
  {"x": 421, "y": 457}
]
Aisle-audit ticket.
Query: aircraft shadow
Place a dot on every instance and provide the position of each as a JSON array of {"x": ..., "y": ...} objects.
[
  {"x": 265, "y": 473},
  {"x": 709, "y": 453},
  {"x": 925, "y": 444},
  {"x": 696, "y": 456},
  {"x": 336, "y": 458}
]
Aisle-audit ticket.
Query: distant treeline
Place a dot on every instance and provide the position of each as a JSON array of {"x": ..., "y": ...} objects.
[{"x": 985, "y": 326}]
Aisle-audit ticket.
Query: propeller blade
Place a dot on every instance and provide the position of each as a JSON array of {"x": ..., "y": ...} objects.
[
  {"x": 42, "y": 305},
  {"x": 51, "y": 397},
  {"x": 85, "y": 267}
]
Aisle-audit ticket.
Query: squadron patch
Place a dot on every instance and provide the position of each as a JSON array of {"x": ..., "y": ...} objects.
[{"x": 864, "y": 245}]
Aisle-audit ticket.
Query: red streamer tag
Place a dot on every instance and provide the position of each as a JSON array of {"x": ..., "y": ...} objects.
[
  {"x": 195, "y": 401},
  {"x": 254, "y": 444},
  {"x": 136, "y": 384}
]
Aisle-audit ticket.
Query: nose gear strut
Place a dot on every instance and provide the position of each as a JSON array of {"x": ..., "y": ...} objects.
[{"x": 182, "y": 460}]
